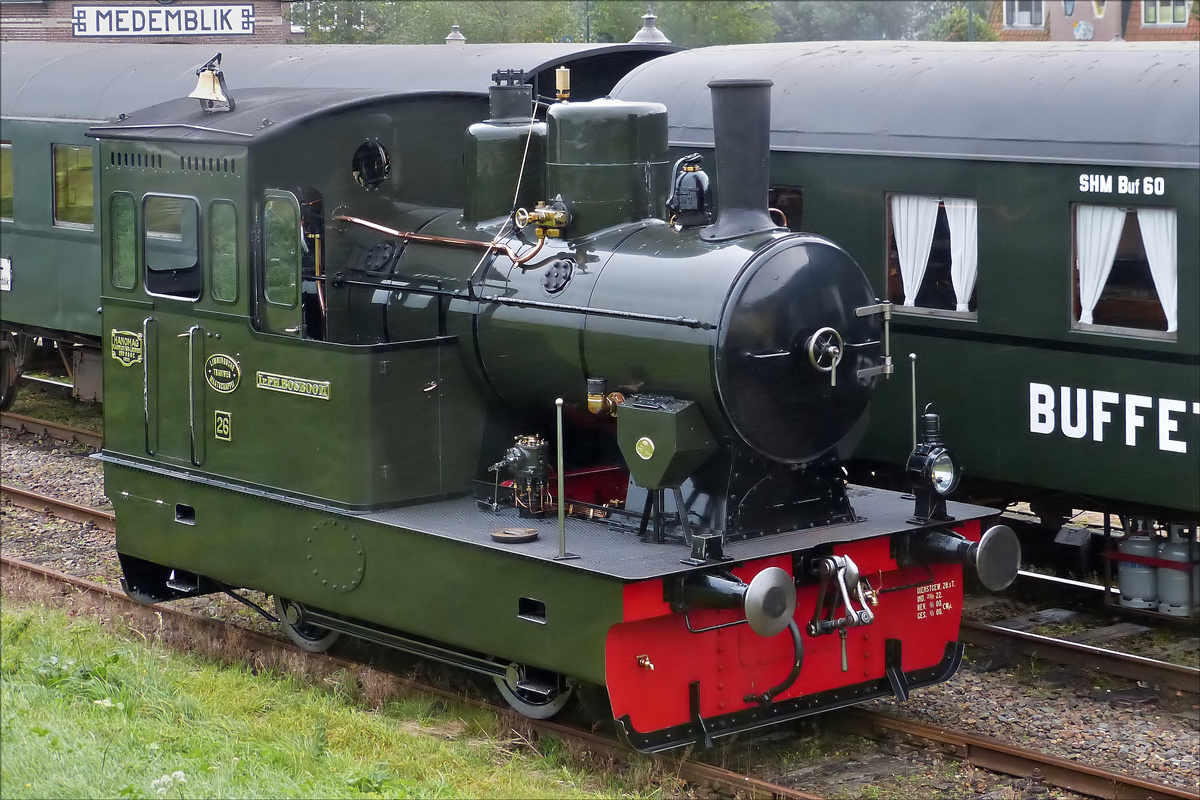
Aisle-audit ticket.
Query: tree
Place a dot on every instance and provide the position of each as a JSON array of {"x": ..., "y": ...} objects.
[
  {"x": 953, "y": 28},
  {"x": 429, "y": 21},
  {"x": 834, "y": 20}
]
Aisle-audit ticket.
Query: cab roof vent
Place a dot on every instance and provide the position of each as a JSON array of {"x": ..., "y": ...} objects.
[
  {"x": 206, "y": 164},
  {"x": 135, "y": 160}
]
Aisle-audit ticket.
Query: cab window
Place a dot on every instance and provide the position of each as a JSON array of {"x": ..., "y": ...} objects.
[
  {"x": 73, "y": 186},
  {"x": 123, "y": 240},
  {"x": 222, "y": 250},
  {"x": 171, "y": 246},
  {"x": 281, "y": 249},
  {"x": 6, "y": 181}
]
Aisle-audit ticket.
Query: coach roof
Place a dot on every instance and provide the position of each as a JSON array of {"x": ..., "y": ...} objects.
[
  {"x": 1094, "y": 102},
  {"x": 94, "y": 82}
]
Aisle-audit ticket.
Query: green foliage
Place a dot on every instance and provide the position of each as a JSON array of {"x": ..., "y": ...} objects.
[
  {"x": 953, "y": 28},
  {"x": 837, "y": 20},
  {"x": 429, "y": 21},
  {"x": 692, "y": 23}
]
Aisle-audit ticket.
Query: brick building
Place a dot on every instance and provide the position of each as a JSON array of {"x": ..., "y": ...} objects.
[
  {"x": 1096, "y": 20},
  {"x": 141, "y": 21}
]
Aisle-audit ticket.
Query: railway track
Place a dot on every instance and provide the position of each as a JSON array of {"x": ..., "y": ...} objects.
[
  {"x": 66, "y": 433},
  {"x": 64, "y": 509},
  {"x": 980, "y": 751},
  {"x": 1110, "y": 662},
  {"x": 991, "y": 754}
]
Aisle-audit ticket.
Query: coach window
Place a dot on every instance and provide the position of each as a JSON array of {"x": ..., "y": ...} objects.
[
  {"x": 6, "y": 181},
  {"x": 281, "y": 249},
  {"x": 172, "y": 247},
  {"x": 123, "y": 240},
  {"x": 1125, "y": 270},
  {"x": 1164, "y": 12},
  {"x": 222, "y": 250},
  {"x": 73, "y": 186},
  {"x": 933, "y": 254},
  {"x": 789, "y": 202}
]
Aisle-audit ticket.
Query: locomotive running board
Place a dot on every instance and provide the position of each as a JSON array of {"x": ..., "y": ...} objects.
[
  {"x": 418, "y": 647},
  {"x": 701, "y": 732}
]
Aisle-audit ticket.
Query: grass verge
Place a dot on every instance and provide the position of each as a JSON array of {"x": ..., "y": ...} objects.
[{"x": 94, "y": 711}]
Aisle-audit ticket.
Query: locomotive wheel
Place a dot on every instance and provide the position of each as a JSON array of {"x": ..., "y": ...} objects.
[
  {"x": 312, "y": 638},
  {"x": 8, "y": 371},
  {"x": 531, "y": 703}
]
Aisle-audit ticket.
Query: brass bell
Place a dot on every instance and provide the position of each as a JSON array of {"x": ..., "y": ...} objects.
[{"x": 210, "y": 89}]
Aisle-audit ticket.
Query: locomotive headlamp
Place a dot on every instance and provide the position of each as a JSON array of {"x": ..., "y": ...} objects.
[
  {"x": 210, "y": 87},
  {"x": 933, "y": 471},
  {"x": 943, "y": 472}
]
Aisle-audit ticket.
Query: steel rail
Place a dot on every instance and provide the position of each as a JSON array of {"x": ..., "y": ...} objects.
[
  {"x": 14, "y": 571},
  {"x": 66, "y": 433},
  {"x": 1140, "y": 668},
  {"x": 64, "y": 509},
  {"x": 997, "y": 756}
]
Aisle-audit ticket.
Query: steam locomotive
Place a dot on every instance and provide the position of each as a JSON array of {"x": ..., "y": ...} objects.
[{"x": 574, "y": 426}]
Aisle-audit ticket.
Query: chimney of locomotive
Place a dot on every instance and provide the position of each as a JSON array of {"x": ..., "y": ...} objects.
[{"x": 742, "y": 139}]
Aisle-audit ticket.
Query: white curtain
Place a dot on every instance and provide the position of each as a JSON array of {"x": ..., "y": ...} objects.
[
  {"x": 1158, "y": 236},
  {"x": 913, "y": 219},
  {"x": 1097, "y": 234},
  {"x": 963, "y": 216}
]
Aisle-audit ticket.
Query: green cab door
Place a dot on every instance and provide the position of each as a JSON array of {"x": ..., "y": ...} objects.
[
  {"x": 279, "y": 279},
  {"x": 174, "y": 339}
]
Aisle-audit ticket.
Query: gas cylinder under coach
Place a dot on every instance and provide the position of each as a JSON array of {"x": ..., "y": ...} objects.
[{"x": 773, "y": 338}]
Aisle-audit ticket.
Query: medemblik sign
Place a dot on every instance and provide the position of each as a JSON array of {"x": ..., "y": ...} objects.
[{"x": 172, "y": 20}]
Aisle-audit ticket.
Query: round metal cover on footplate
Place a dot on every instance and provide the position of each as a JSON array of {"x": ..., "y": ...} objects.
[
  {"x": 514, "y": 535},
  {"x": 334, "y": 556}
]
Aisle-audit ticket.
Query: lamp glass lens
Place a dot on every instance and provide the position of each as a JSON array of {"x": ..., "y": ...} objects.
[{"x": 942, "y": 473}]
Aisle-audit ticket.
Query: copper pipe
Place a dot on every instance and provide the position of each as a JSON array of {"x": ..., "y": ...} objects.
[{"x": 495, "y": 247}]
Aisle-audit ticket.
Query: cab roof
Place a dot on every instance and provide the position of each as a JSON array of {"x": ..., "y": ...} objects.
[
  {"x": 258, "y": 114},
  {"x": 1093, "y": 102}
]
